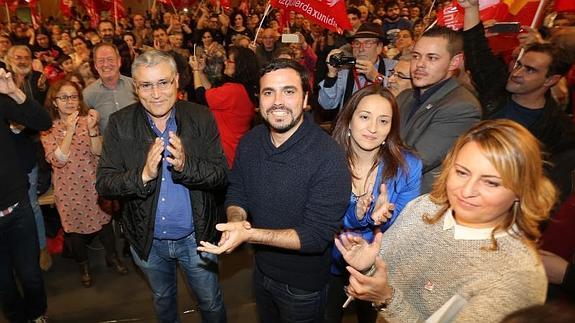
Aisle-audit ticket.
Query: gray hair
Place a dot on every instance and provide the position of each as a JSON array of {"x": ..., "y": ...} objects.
[
  {"x": 152, "y": 58},
  {"x": 14, "y": 48}
]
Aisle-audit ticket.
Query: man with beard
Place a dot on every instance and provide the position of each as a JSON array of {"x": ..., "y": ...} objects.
[
  {"x": 289, "y": 188},
  {"x": 393, "y": 22},
  {"x": 33, "y": 84},
  {"x": 342, "y": 81},
  {"x": 107, "y": 33},
  {"x": 112, "y": 91},
  {"x": 523, "y": 94},
  {"x": 438, "y": 108},
  {"x": 162, "y": 43}
]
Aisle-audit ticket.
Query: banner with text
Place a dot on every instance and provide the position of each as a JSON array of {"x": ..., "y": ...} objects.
[{"x": 329, "y": 14}]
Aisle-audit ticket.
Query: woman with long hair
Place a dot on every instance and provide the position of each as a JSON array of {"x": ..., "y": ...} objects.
[
  {"x": 466, "y": 252},
  {"x": 385, "y": 177},
  {"x": 73, "y": 146},
  {"x": 233, "y": 102}
]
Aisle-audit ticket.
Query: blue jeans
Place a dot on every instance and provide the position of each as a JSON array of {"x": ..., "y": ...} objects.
[
  {"x": 279, "y": 302},
  {"x": 38, "y": 216},
  {"x": 201, "y": 271},
  {"x": 19, "y": 257}
]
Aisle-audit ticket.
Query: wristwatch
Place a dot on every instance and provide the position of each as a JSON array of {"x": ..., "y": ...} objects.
[{"x": 382, "y": 307}]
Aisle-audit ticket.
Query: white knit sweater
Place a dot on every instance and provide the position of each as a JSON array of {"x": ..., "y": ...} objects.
[{"x": 428, "y": 266}]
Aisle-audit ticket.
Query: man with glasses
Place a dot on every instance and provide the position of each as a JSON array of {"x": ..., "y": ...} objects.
[
  {"x": 112, "y": 91},
  {"x": 342, "y": 81},
  {"x": 107, "y": 33},
  {"x": 163, "y": 158},
  {"x": 400, "y": 78}
]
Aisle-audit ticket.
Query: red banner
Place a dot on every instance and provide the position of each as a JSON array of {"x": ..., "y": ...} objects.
[
  {"x": 332, "y": 14},
  {"x": 12, "y": 4},
  {"x": 66, "y": 7},
  {"x": 564, "y": 5},
  {"x": 522, "y": 11}
]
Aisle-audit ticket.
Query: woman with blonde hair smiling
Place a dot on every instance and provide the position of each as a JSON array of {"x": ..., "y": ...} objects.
[{"x": 465, "y": 252}]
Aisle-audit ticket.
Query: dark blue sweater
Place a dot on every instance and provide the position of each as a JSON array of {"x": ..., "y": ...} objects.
[{"x": 304, "y": 185}]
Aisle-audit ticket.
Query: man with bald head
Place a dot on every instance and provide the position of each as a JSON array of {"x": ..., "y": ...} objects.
[{"x": 269, "y": 45}]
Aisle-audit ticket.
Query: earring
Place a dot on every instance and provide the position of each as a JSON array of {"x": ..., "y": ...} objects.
[
  {"x": 514, "y": 211},
  {"x": 383, "y": 143},
  {"x": 349, "y": 132}
]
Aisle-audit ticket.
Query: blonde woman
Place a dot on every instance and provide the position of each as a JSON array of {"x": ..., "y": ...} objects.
[{"x": 466, "y": 251}]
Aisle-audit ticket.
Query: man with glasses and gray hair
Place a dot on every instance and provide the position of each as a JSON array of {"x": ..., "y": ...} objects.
[{"x": 163, "y": 158}]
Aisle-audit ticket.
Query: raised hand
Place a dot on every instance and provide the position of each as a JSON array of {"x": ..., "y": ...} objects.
[
  {"x": 72, "y": 121},
  {"x": 468, "y": 3},
  {"x": 153, "y": 160},
  {"x": 93, "y": 120},
  {"x": 382, "y": 209},
  {"x": 332, "y": 70},
  {"x": 357, "y": 252},
  {"x": 366, "y": 68},
  {"x": 7, "y": 85},
  {"x": 197, "y": 64},
  {"x": 177, "y": 156}
]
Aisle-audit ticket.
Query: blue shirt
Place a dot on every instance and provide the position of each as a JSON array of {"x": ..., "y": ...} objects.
[
  {"x": 401, "y": 189},
  {"x": 174, "y": 211}
]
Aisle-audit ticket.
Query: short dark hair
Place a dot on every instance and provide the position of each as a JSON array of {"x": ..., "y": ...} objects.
[
  {"x": 560, "y": 59},
  {"x": 390, "y": 4},
  {"x": 106, "y": 21},
  {"x": 353, "y": 11},
  {"x": 282, "y": 63},
  {"x": 454, "y": 38}
]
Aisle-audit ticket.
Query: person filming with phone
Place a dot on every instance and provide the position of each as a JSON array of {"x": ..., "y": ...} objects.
[{"x": 348, "y": 74}]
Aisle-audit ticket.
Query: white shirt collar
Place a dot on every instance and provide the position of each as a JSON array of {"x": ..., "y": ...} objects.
[{"x": 461, "y": 232}]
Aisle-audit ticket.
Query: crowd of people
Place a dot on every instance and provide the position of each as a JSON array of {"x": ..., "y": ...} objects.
[{"x": 435, "y": 161}]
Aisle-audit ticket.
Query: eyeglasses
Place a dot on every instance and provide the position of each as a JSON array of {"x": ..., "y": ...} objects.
[
  {"x": 72, "y": 97},
  {"x": 160, "y": 85},
  {"x": 399, "y": 75},
  {"x": 365, "y": 44}
]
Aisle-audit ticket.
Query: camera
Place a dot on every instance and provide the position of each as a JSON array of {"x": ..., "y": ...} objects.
[{"x": 341, "y": 59}]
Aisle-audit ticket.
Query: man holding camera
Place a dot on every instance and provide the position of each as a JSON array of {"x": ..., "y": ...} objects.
[{"x": 347, "y": 74}]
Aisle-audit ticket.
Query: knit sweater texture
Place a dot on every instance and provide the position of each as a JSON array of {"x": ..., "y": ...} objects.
[
  {"x": 427, "y": 266},
  {"x": 304, "y": 185}
]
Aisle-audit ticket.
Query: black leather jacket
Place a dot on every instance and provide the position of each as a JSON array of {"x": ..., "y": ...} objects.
[{"x": 127, "y": 140}]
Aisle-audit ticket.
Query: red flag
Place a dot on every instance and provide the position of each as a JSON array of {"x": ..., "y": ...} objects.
[
  {"x": 564, "y": 5},
  {"x": 66, "y": 7},
  {"x": 244, "y": 7},
  {"x": 93, "y": 10},
  {"x": 331, "y": 14},
  {"x": 522, "y": 11},
  {"x": 12, "y": 4}
]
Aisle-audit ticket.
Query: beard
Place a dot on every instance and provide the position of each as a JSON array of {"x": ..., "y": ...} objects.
[
  {"x": 22, "y": 70},
  {"x": 282, "y": 127}
]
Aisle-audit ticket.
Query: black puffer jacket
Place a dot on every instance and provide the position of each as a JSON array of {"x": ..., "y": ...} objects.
[{"x": 127, "y": 140}]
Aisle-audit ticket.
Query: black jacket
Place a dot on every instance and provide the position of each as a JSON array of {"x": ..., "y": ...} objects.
[
  {"x": 127, "y": 140},
  {"x": 553, "y": 128}
]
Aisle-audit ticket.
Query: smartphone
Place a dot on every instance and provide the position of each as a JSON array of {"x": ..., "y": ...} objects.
[
  {"x": 290, "y": 38},
  {"x": 505, "y": 27}
]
